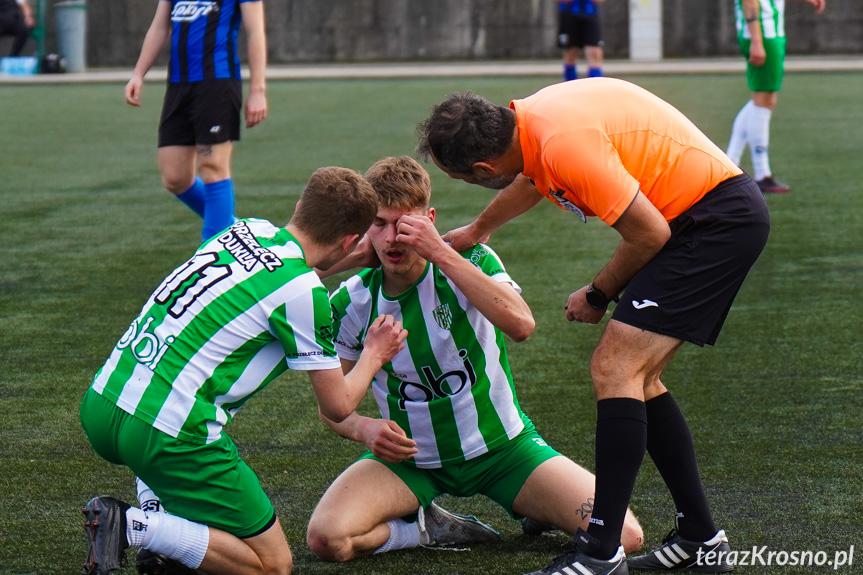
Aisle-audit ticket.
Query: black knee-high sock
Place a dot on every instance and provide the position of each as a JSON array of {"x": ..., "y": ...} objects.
[
  {"x": 669, "y": 444},
  {"x": 621, "y": 439}
]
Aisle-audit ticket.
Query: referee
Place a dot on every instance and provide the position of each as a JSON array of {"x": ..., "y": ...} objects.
[{"x": 691, "y": 224}]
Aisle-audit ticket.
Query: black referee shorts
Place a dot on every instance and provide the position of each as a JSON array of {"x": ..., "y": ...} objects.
[
  {"x": 201, "y": 113},
  {"x": 687, "y": 289}
]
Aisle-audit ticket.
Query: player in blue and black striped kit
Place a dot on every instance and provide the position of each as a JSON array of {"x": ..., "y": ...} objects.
[
  {"x": 201, "y": 112},
  {"x": 579, "y": 28}
]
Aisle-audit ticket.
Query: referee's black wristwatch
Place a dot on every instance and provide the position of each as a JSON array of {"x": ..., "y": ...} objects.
[{"x": 597, "y": 299}]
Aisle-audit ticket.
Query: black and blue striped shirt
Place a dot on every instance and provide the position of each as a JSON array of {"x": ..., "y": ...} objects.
[
  {"x": 204, "y": 40},
  {"x": 584, "y": 7}
]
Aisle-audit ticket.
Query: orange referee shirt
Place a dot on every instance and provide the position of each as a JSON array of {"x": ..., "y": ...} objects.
[{"x": 590, "y": 145}]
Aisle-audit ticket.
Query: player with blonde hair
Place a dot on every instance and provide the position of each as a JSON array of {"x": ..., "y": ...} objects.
[{"x": 450, "y": 420}]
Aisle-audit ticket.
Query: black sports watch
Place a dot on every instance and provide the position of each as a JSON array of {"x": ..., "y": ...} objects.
[{"x": 596, "y": 298}]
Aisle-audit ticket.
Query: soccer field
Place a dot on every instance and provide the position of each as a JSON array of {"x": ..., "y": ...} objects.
[{"x": 775, "y": 407}]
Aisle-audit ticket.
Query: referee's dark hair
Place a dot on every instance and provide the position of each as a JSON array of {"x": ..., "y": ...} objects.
[{"x": 465, "y": 129}]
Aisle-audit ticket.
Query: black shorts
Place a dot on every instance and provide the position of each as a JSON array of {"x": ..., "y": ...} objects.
[
  {"x": 205, "y": 112},
  {"x": 687, "y": 289},
  {"x": 578, "y": 31}
]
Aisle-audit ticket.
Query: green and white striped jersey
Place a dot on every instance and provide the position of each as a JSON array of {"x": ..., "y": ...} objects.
[
  {"x": 772, "y": 19},
  {"x": 450, "y": 388},
  {"x": 217, "y": 330}
]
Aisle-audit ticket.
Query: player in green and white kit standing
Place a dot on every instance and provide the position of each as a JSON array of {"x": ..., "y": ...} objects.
[
  {"x": 246, "y": 307},
  {"x": 451, "y": 422},
  {"x": 761, "y": 35}
]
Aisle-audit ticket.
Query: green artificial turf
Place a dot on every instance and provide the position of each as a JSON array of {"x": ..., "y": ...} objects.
[{"x": 88, "y": 233}]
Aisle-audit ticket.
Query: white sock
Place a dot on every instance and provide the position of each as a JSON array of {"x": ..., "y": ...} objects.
[
  {"x": 138, "y": 526},
  {"x": 758, "y": 128},
  {"x": 177, "y": 538},
  {"x": 149, "y": 501},
  {"x": 403, "y": 535},
  {"x": 737, "y": 143}
]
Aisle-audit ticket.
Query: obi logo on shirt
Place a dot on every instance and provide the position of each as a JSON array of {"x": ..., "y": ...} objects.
[
  {"x": 437, "y": 386},
  {"x": 148, "y": 348},
  {"x": 190, "y": 11},
  {"x": 477, "y": 254}
]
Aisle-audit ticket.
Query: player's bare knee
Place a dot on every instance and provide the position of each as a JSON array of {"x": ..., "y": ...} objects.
[
  {"x": 282, "y": 568},
  {"x": 327, "y": 547},
  {"x": 319, "y": 544},
  {"x": 632, "y": 537},
  {"x": 175, "y": 183},
  {"x": 282, "y": 563}
]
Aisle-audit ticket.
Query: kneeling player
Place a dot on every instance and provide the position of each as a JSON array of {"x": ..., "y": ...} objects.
[
  {"x": 451, "y": 421},
  {"x": 246, "y": 307}
]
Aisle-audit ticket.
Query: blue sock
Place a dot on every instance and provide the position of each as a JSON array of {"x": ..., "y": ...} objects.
[
  {"x": 219, "y": 209},
  {"x": 594, "y": 72},
  {"x": 569, "y": 72},
  {"x": 194, "y": 197}
]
